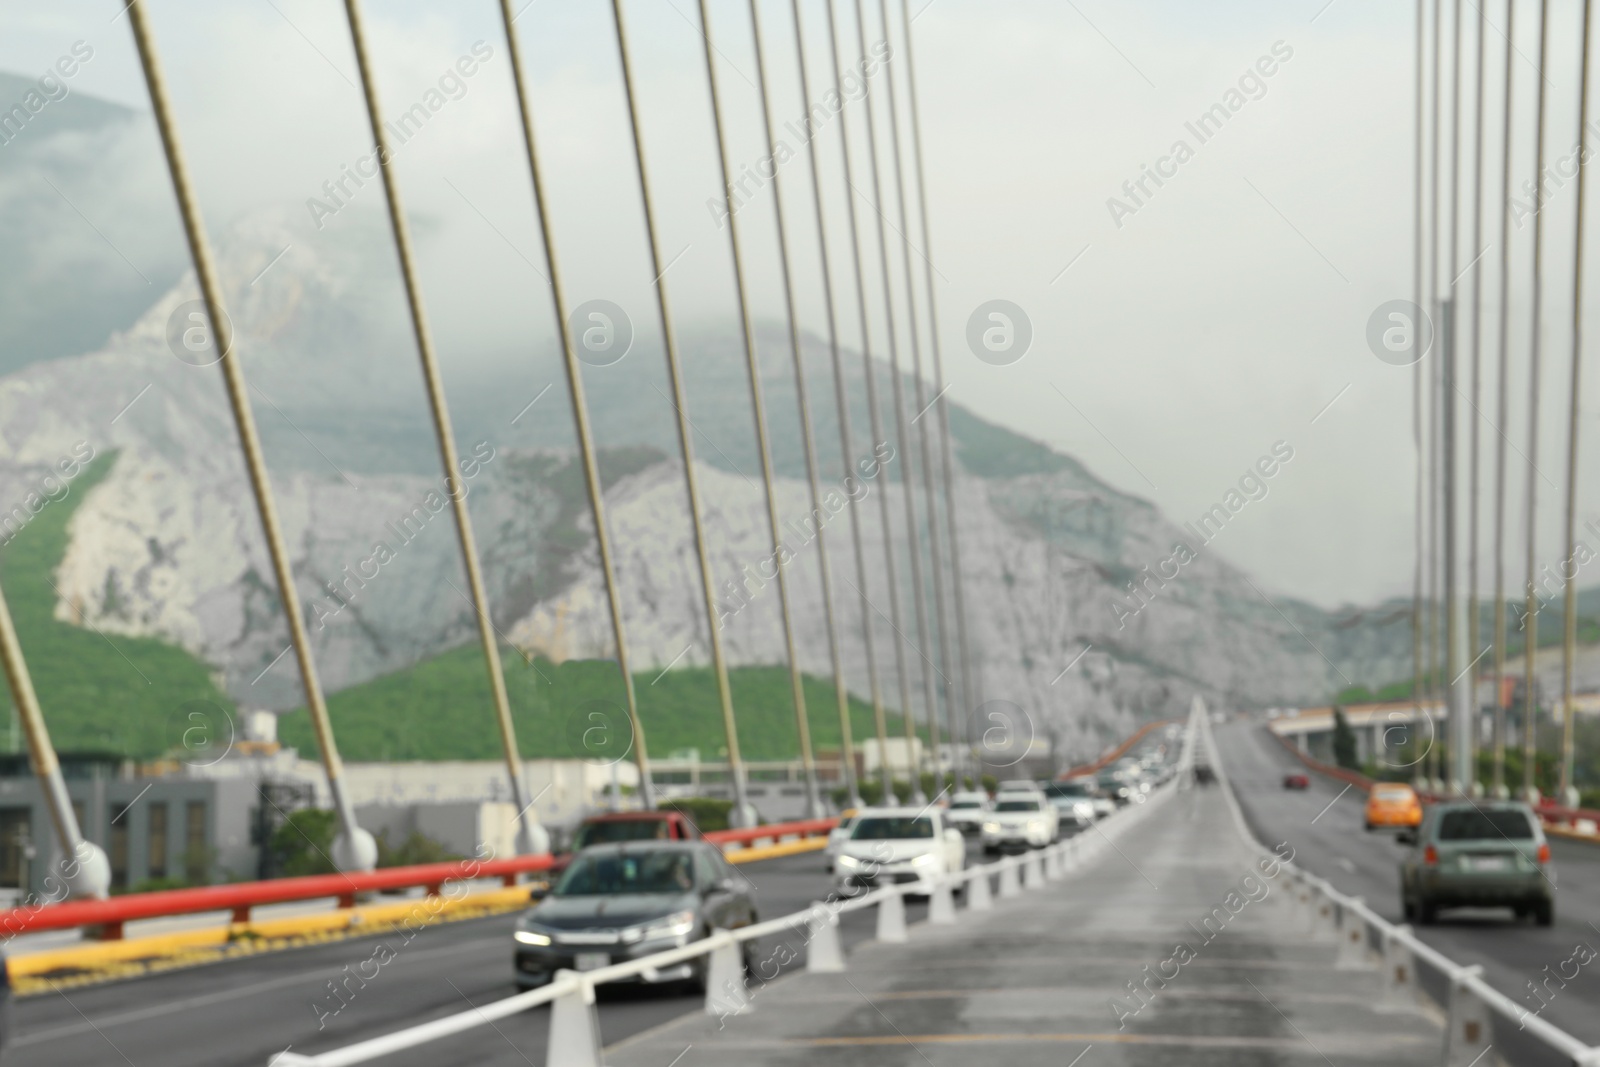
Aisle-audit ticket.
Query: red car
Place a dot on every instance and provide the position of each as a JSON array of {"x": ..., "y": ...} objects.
[
  {"x": 1296, "y": 780},
  {"x": 618, "y": 826}
]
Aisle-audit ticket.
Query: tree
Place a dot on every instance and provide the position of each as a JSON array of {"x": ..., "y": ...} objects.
[
  {"x": 1344, "y": 741},
  {"x": 304, "y": 843}
]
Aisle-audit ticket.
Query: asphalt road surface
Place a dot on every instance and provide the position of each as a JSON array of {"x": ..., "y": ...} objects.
[
  {"x": 242, "y": 1012},
  {"x": 1324, "y": 825}
]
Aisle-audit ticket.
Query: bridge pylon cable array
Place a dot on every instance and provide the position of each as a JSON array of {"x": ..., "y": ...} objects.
[
  {"x": 875, "y": 419},
  {"x": 763, "y": 441},
  {"x": 947, "y": 459},
  {"x": 842, "y": 403},
  {"x": 902, "y": 438},
  {"x": 941, "y": 617},
  {"x": 742, "y": 814},
  {"x": 847, "y": 749},
  {"x": 354, "y": 848},
  {"x": 531, "y": 836},
  {"x": 580, "y": 411}
]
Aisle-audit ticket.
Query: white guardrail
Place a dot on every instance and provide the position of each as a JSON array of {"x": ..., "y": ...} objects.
[
  {"x": 1471, "y": 1005},
  {"x": 574, "y": 1039}
]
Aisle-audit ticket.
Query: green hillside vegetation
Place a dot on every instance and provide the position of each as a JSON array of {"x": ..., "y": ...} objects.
[
  {"x": 131, "y": 695},
  {"x": 440, "y": 709}
]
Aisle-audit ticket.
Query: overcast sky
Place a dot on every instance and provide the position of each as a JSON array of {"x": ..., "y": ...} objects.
[{"x": 1173, "y": 345}]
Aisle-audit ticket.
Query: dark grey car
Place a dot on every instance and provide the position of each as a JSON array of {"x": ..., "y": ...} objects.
[
  {"x": 621, "y": 902},
  {"x": 1477, "y": 854}
]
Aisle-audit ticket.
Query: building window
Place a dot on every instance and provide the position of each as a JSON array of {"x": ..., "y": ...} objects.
[
  {"x": 195, "y": 860},
  {"x": 158, "y": 840},
  {"x": 15, "y": 840},
  {"x": 119, "y": 846}
]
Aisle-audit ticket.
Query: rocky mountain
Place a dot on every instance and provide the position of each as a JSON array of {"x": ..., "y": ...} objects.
[{"x": 1082, "y": 609}]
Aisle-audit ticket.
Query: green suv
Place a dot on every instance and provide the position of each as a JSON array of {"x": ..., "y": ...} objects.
[{"x": 1470, "y": 855}]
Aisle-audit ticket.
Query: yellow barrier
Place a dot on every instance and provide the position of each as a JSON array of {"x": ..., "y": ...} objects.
[
  {"x": 769, "y": 852},
  {"x": 371, "y": 918},
  {"x": 99, "y": 961}
]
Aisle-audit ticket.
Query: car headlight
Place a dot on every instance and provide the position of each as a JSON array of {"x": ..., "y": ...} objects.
[
  {"x": 927, "y": 859},
  {"x": 531, "y": 937},
  {"x": 991, "y": 827},
  {"x": 678, "y": 924},
  {"x": 846, "y": 863}
]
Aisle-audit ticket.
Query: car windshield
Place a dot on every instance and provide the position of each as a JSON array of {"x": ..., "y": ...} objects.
[
  {"x": 1068, "y": 789},
  {"x": 607, "y": 873},
  {"x": 1017, "y": 805},
  {"x": 1492, "y": 824},
  {"x": 888, "y": 827},
  {"x": 966, "y": 804},
  {"x": 1392, "y": 793},
  {"x": 613, "y": 831}
]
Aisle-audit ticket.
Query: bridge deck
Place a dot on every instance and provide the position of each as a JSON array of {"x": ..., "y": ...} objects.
[{"x": 1036, "y": 980}]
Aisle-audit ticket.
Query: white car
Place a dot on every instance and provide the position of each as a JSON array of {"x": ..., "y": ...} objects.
[
  {"x": 967, "y": 811},
  {"x": 897, "y": 845},
  {"x": 1073, "y": 800},
  {"x": 1019, "y": 785},
  {"x": 838, "y": 836},
  {"x": 1020, "y": 821}
]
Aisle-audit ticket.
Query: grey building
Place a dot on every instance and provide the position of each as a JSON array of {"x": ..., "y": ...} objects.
[{"x": 173, "y": 829}]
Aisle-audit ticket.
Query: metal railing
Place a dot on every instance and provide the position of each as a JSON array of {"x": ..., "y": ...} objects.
[
  {"x": 109, "y": 915},
  {"x": 574, "y": 1037}
]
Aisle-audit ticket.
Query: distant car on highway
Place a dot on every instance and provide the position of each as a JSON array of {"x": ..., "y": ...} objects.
[
  {"x": 898, "y": 845},
  {"x": 1393, "y": 804},
  {"x": 1073, "y": 800},
  {"x": 1483, "y": 854},
  {"x": 1115, "y": 786},
  {"x": 617, "y": 826},
  {"x": 1296, "y": 780},
  {"x": 620, "y": 902},
  {"x": 1020, "y": 821},
  {"x": 837, "y": 837},
  {"x": 967, "y": 811}
]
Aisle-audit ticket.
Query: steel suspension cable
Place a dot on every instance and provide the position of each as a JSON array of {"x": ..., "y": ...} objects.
[
  {"x": 847, "y": 748},
  {"x": 957, "y": 581},
  {"x": 908, "y": 714},
  {"x": 1569, "y": 606},
  {"x": 580, "y": 412},
  {"x": 742, "y": 814},
  {"x": 941, "y": 617},
  {"x": 1455, "y": 707},
  {"x": 532, "y": 836},
  {"x": 842, "y": 402},
  {"x": 1416, "y": 395},
  {"x": 908, "y": 480},
  {"x": 357, "y": 850},
  {"x": 1473, "y": 628},
  {"x": 1502, "y": 413},
  {"x": 1432, "y": 763},
  {"x": 763, "y": 446},
  {"x": 1530, "y": 617}
]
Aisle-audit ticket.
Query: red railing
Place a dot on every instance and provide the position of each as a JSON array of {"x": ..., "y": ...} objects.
[
  {"x": 1116, "y": 753},
  {"x": 1548, "y": 812},
  {"x": 239, "y": 898}
]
